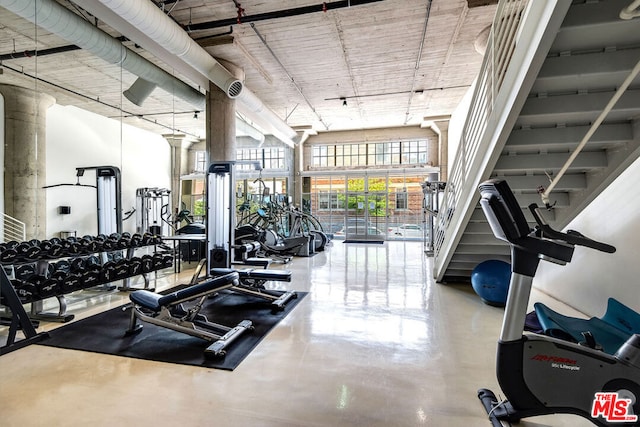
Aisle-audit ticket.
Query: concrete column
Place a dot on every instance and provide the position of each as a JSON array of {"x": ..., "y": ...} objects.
[
  {"x": 25, "y": 116},
  {"x": 298, "y": 166},
  {"x": 221, "y": 120},
  {"x": 443, "y": 126},
  {"x": 179, "y": 165}
]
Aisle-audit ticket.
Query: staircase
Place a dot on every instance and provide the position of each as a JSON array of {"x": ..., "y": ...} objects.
[{"x": 570, "y": 83}]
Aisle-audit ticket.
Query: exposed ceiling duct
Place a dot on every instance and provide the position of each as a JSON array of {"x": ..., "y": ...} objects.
[
  {"x": 146, "y": 17},
  {"x": 148, "y": 26},
  {"x": 57, "y": 19}
]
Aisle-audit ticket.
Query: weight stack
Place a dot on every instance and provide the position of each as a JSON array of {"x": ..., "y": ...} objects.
[{"x": 218, "y": 258}]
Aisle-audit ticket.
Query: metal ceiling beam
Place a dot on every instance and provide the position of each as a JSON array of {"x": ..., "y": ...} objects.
[{"x": 285, "y": 13}]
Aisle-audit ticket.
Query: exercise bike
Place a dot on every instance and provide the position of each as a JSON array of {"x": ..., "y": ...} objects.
[{"x": 541, "y": 375}]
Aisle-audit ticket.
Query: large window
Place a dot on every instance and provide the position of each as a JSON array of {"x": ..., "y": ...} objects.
[
  {"x": 330, "y": 201},
  {"x": 201, "y": 161},
  {"x": 402, "y": 201},
  {"x": 370, "y": 154},
  {"x": 269, "y": 158}
]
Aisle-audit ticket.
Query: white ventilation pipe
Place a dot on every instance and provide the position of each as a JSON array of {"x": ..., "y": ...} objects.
[
  {"x": 146, "y": 17},
  {"x": 153, "y": 23},
  {"x": 59, "y": 20},
  {"x": 244, "y": 128}
]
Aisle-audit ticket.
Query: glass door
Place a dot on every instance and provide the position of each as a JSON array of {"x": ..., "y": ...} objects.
[{"x": 365, "y": 213}]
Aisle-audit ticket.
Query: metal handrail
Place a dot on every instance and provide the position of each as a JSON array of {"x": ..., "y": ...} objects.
[{"x": 12, "y": 229}]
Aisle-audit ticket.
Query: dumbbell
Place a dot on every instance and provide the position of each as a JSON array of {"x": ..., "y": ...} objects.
[
  {"x": 107, "y": 273},
  {"x": 116, "y": 256},
  {"x": 71, "y": 246},
  {"x": 136, "y": 240},
  {"x": 91, "y": 272},
  {"x": 147, "y": 263},
  {"x": 135, "y": 266},
  {"x": 90, "y": 278},
  {"x": 91, "y": 244},
  {"x": 76, "y": 265},
  {"x": 28, "y": 251},
  {"x": 24, "y": 271},
  {"x": 110, "y": 244},
  {"x": 36, "y": 279},
  {"x": 62, "y": 265},
  {"x": 71, "y": 282},
  {"x": 121, "y": 270},
  {"x": 49, "y": 288},
  {"x": 92, "y": 262},
  {"x": 158, "y": 263},
  {"x": 167, "y": 260},
  {"x": 27, "y": 292},
  {"x": 84, "y": 245},
  {"x": 148, "y": 239},
  {"x": 8, "y": 253},
  {"x": 51, "y": 248},
  {"x": 124, "y": 240}
]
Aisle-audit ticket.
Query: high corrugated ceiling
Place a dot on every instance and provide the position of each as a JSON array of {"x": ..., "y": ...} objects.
[{"x": 392, "y": 62}]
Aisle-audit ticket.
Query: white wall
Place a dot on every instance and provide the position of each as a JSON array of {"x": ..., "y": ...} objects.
[
  {"x": 592, "y": 276},
  {"x": 77, "y": 138}
]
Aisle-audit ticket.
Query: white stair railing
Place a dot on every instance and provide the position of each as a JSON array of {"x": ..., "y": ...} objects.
[
  {"x": 521, "y": 35},
  {"x": 12, "y": 229}
]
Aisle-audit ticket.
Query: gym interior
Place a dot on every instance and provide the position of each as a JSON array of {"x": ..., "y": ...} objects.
[{"x": 339, "y": 213}]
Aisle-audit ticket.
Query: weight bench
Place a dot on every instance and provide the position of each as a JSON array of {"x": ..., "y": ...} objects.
[
  {"x": 168, "y": 311},
  {"x": 251, "y": 282}
]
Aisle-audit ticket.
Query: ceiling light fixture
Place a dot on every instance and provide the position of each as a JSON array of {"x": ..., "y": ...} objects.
[
  {"x": 195, "y": 114},
  {"x": 344, "y": 101}
]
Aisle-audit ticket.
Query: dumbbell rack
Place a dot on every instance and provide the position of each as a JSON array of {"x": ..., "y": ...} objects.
[
  {"x": 19, "y": 319},
  {"x": 56, "y": 267}
]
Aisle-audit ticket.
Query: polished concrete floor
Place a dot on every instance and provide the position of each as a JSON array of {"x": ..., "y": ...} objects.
[{"x": 376, "y": 343}]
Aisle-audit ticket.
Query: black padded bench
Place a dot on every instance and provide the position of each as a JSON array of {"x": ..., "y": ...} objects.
[{"x": 168, "y": 311}]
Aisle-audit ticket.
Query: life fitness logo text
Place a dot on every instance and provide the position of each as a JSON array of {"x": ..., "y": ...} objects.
[{"x": 612, "y": 408}]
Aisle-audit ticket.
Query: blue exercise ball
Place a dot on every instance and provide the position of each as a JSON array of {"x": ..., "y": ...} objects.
[{"x": 490, "y": 279}]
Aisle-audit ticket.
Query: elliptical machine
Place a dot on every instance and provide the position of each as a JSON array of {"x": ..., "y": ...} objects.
[{"x": 541, "y": 375}]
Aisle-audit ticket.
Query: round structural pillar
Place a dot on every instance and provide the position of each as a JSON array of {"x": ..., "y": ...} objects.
[
  {"x": 179, "y": 164},
  {"x": 221, "y": 120},
  {"x": 25, "y": 117}
]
